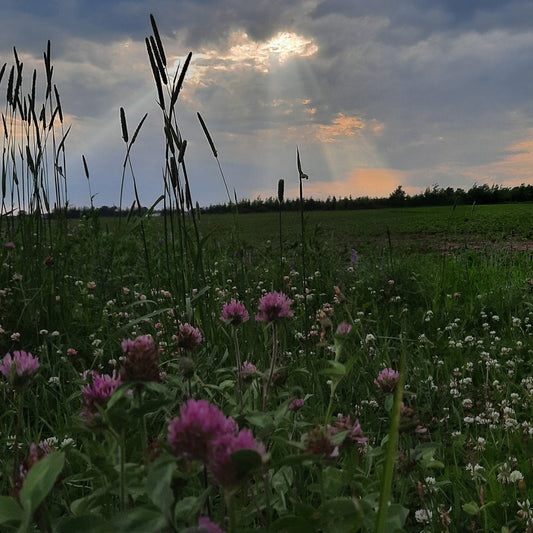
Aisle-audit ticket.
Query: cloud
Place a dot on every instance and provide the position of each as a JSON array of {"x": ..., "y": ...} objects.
[
  {"x": 371, "y": 182},
  {"x": 512, "y": 170}
]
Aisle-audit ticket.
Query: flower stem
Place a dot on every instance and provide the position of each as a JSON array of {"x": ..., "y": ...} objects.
[
  {"x": 386, "y": 484},
  {"x": 267, "y": 383},
  {"x": 238, "y": 362}
]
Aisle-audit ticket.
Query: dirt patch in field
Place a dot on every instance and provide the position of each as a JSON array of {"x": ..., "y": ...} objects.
[{"x": 432, "y": 243}]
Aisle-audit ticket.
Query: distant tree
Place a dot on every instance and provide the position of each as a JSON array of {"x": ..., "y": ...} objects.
[{"x": 398, "y": 197}]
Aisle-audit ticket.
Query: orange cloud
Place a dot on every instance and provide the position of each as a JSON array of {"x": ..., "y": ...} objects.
[
  {"x": 513, "y": 169},
  {"x": 340, "y": 127},
  {"x": 372, "y": 182}
]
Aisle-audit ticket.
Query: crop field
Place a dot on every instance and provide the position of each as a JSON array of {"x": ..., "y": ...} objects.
[{"x": 283, "y": 372}]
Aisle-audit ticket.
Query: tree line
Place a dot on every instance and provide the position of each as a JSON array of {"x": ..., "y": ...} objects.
[{"x": 432, "y": 196}]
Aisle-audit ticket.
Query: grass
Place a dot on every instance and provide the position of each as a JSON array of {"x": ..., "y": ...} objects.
[{"x": 444, "y": 293}]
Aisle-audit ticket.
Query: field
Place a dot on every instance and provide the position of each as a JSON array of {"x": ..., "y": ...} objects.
[
  {"x": 284, "y": 372},
  {"x": 399, "y": 370}
]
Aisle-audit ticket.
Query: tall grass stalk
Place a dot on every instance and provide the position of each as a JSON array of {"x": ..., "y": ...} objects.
[
  {"x": 281, "y": 191},
  {"x": 302, "y": 176}
]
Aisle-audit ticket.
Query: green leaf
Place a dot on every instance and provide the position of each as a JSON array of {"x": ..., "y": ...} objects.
[
  {"x": 396, "y": 517},
  {"x": 84, "y": 524},
  {"x": 40, "y": 481},
  {"x": 336, "y": 369},
  {"x": 246, "y": 461},
  {"x": 158, "y": 483},
  {"x": 340, "y": 515},
  {"x": 10, "y": 510},
  {"x": 187, "y": 507},
  {"x": 471, "y": 508},
  {"x": 292, "y": 524},
  {"x": 139, "y": 520}
]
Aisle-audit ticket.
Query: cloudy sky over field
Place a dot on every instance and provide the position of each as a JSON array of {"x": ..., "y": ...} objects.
[{"x": 374, "y": 93}]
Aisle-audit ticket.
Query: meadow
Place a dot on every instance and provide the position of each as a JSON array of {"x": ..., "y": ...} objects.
[{"x": 340, "y": 371}]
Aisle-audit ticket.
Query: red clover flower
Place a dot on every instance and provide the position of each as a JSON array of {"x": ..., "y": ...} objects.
[
  {"x": 97, "y": 393},
  {"x": 140, "y": 363},
  {"x": 188, "y": 337},
  {"x": 220, "y": 463},
  {"x": 192, "y": 434},
  {"x": 343, "y": 329},
  {"x": 273, "y": 306},
  {"x": 202, "y": 432},
  {"x": 20, "y": 367},
  {"x": 234, "y": 313},
  {"x": 387, "y": 380}
]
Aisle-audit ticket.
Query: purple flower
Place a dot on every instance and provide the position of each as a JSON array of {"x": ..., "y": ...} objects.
[
  {"x": 353, "y": 255},
  {"x": 20, "y": 367},
  {"x": 234, "y": 313},
  {"x": 343, "y": 329},
  {"x": 387, "y": 380},
  {"x": 355, "y": 433},
  {"x": 206, "y": 526},
  {"x": 192, "y": 434},
  {"x": 220, "y": 463},
  {"x": 140, "y": 362},
  {"x": 274, "y": 306},
  {"x": 96, "y": 393},
  {"x": 10, "y": 245},
  {"x": 188, "y": 337},
  {"x": 296, "y": 404},
  {"x": 202, "y": 432},
  {"x": 248, "y": 370},
  {"x": 318, "y": 442}
]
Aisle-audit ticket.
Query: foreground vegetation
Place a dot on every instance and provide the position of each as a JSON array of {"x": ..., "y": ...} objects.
[{"x": 364, "y": 371}]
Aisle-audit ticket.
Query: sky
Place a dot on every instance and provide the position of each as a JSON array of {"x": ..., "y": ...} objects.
[{"x": 373, "y": 94}]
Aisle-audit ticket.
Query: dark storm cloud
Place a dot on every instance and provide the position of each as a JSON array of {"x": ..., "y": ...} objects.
[{"x": 423, "y": 87}]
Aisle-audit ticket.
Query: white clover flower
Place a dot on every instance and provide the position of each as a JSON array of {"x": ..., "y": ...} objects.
[
  {"x": 423, "y": 516},
  {"x": 515, "y": 476},
  {"x": 370, "y": 338}
]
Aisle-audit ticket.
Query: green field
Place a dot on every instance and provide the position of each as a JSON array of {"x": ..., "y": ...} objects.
[
  {"x": 442, "y": 295},
  {"x": 418, "y": 228}
]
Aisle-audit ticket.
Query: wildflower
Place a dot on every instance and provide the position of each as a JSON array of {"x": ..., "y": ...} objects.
[
  {"x": 273, "y": 306},
  {"x": 206, "y": 526},
  {"x": 91, "y": 285},
  {"x": 353, "y": 255},
  {"x": 423, "y": 516},
  {"x": 10, "y": 245},
  {"x": 318, "y": 442},
  {"x": 387, "y": 379},
  {"x": 234, "y": 313},
  {"x": 140, "y": 362},
  {"x": 20, "y": 367},
  {"x": 248, "y": 370},
  {"x": 97, "y": 393},
  {"x": 515, "y": 476},
  {"x": 188, "y": 337},
  {"x": 355, "y": 433},
  {"x": 343, "y": 329},
  {"x": 71, "y": 352},
  {"x": 221, "y": 464},
  {"x": 192, "y": 434},
  {"x": 370, "y": 339},
  {"x": 296, "y": 404}
]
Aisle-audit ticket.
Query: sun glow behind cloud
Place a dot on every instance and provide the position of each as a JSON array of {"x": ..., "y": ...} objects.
[{"x": 243, "y": 53}]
